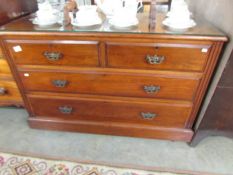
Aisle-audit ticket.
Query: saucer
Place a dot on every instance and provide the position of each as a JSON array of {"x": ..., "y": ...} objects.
[
  {"x": 179, "y": 26},
  {"x": 45, "y": 23},
  {"x": 123, "y": 24},
  {"x": 95, "y": 21}
]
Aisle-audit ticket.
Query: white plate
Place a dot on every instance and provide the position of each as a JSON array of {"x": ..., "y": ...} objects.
[
  {"x": 96, "y": 21},
  {"x": 171, "y": 14},
  {"x": 183, "y": 26},
  {"x": 47, "y": 23},
  {"x": 119, "y": 24}
]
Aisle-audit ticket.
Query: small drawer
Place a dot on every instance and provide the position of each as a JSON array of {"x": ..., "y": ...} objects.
[
  {"x": 183, "y": 57},
  {"x": 110, "y": 110},
  {"x": 114, "y": 84},
  {"x": 61, "y": 52},
  {"x": 9, "y": 91}
]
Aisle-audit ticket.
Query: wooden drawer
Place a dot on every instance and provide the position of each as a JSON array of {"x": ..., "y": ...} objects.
[
  {"x": 49, "y": 52},
  {"x": 187, "y": 57},
  {"x": 108, "y": 83},
  {"x": 155, "y": 113},
  {"x": 1, "y": 54},
  {"x": 9, "y": 91},
  {"x": 4, "y": 68}
]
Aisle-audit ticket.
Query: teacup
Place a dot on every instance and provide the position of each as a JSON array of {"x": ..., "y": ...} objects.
[
  {"x": 133, "y": 6},
  {"x": 128, "y": 12},
  {"x": 87, "y": 14},
  {"x": 108, "y": 7},
  {"x": 181, "y": 17},
  {"x": 87, "y": 9},
  {"x": 44, "y": 17}
]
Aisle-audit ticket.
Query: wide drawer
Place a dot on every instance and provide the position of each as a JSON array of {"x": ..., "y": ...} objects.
[
  {"x": 59, "y": 52},
  {"x": 9, "y": 91},
  {"x": 107, "y": 83},
  {"x": 187, "y": 57},
  {"x": 110, "y": 110}
]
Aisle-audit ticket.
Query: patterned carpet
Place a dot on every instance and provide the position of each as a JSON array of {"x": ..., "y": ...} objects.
[{"x": 12, "y": 164}]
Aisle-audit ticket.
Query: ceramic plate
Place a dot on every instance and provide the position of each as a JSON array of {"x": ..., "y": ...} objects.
[
  {"x": 94, "y": 22},
  {"x": 49, "y": 23},
  {"x": 118, "y": 24},
  {"x": 190, "y": 24}
]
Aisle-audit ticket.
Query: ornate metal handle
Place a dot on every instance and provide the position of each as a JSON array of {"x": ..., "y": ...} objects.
[
  {"x": 65, "y": 109},
  {"x": 60, "y": 83},
  {"x": 2, "y": 91},
  {"x": 151, "y": 89},
  {"x": 148, "y": 115},
  {"x": 53, "y": 56},
  {"x": 154, "y": 59}
]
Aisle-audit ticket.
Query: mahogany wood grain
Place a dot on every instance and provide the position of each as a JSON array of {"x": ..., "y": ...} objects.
[
  {"x": 218, "y": 120},
  {"x": 1, "y": 54},
  {"x": 100, "y": 36},
  {"x": 75, "y": 53},
  {"x": 124, "y": 83},
  {"x": 208, "y": 73},
  {"x": 11, "y": 91},
  {"x": 110, "y": 84},
  {"x": 4, "y": 68},
  {"x": 185, "y": 57},
  {"x": 93, "y": 70},
  {"x": 97, "y": 109},
  {"x": 110, "y": 128},
  {"x": 9, "y": 95},
  {"x": 13, "y": 9}
]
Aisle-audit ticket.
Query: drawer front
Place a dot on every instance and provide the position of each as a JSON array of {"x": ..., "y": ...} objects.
[
  {"x": 1, "y": 54},
  {"x": 152, "y": 56},
  {"x": 157, "y": 114},
  {"x": 69, "y": 53},
  {"x": 110, "y": 84},
  {"x": 9, "y": 91},
  {"x": 4, "y": 68}
]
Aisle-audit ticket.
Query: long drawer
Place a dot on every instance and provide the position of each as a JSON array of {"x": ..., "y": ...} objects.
[
  {"x": 114, "y": 84},
  {"x": 9, "y": 91},
  {"x": 187, "y": 57},
  {"x": 58, "y": 52},
  {"x": 157, "y": 113}
]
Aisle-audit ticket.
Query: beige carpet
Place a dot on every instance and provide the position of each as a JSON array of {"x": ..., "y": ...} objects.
[{"x": 14, "y": 164}]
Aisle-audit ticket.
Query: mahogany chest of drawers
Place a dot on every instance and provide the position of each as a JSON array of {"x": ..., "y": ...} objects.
[{"x": 132, "y": 84}]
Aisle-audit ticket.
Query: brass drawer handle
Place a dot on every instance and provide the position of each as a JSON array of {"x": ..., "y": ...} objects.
[
  {"x": 154, "y": 59},
  {"x": 53, "y": 56},
  {"x": 151, "y": 89},
  {"x": 60, "y": 83},
  {"x": 65, "y": 109},
  {"x": 3, "y": 91},
  {"x": 148, "y": 115}
]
